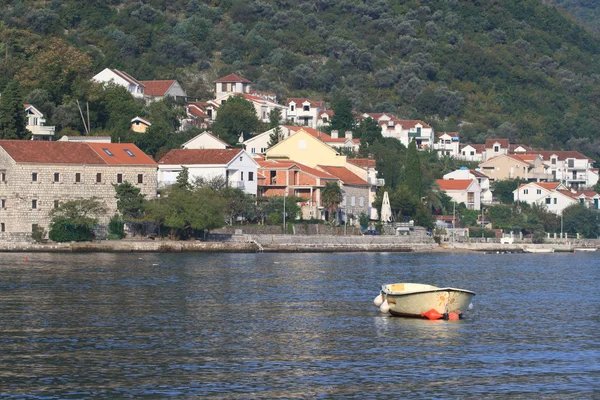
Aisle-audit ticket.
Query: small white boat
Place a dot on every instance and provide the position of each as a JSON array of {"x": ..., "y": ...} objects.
[
  {"x": 584, "y": 249},
  {"x": 421, "y": 301},
  {"x": 538, "y": 250}
]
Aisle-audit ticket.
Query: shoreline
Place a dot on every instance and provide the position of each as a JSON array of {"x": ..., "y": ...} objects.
[{"x": 284, "y": 244}]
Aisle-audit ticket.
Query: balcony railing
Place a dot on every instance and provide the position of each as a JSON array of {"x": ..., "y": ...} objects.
[
  {"x": 376, "y": 181},
  {"x": 41, "y": 130},
  {"x": 236, "y": 184}
]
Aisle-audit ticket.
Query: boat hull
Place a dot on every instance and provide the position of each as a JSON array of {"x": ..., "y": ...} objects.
[{"x": 414, "y": 299}]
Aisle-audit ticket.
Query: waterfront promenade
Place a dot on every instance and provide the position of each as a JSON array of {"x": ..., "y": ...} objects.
[{"x": 292, "y": 243}]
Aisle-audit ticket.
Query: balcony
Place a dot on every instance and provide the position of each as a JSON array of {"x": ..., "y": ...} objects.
[
  {"x": 236, "y": 184},
  {"x": 376, "y": 181},
  {"x": 38, "y": 130}
]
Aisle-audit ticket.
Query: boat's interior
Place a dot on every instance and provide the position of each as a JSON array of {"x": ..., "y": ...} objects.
[{"x": 408, "y": 287}]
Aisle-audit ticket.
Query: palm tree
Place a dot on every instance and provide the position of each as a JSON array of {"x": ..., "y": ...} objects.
[{"x": 331, "y": 197}]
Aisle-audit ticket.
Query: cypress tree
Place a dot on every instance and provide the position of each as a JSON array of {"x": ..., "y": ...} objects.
[
  {"x": 413, "y": 174},
  {"x": 12, "y": 113}
]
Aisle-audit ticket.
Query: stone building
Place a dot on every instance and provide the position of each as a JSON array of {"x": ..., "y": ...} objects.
[{"x": 36, "y": 176}]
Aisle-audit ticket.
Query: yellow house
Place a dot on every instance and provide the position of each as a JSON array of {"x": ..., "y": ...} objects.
[
  {"x": 305, "y": 149},
  {"x": 140, "y": 125},
  {"x": 511, "y": 166}
]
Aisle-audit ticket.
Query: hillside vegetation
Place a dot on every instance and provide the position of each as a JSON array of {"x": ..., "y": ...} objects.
[{"x": 519, "y": 69}]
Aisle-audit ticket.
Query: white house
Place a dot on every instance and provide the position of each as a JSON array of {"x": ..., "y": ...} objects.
[
  {"x": 305, "y": 112},
  {"x": 108, "y": 75},
  {"x": 231, "y": 83},
  {"x": 555, "y": 196},
  {"x": 469, "y": 174},
  {"x": 447, "y": 144},
  {"x": 471, "y": 152},
  {"x": 159, "y": 89},
  {"x": 206, "y": 140},
  {"x": 35, "y": 124},
  {"x": 570, "y": 167},
  {"x": 404, "y": 130},
  {"x": 262, "y": 106},
  {"x": 235, "y": 166},
  {"x": 462, "y": 191}
]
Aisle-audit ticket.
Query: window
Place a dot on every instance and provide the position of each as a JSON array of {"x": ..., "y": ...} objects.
[
  {"x": 292, "y": 107},
  {"x": 140, "y": 178},
  {"x": 361, "y": 201},
  {"x": 56, "y": 203},
  {"x": 253, "y": 150},
  {"x": 553, "y": 161},
  {"x": 555, "y": 200},
  {"x": 571, "y": 163},
  {"x": 98, "y": 177},
  {"x": 472, "y": 153},
  {"x": 34, "y": 177},
  {"x": 496, "y": 149},
  {"x": 548, "y": 200},
  {"x": 3, "y": 176},
  {"x": 325, "y": 120},
  {"x": 107, "y": 151},
  {"x": 353, "y": 201},
  {"x": 3, "y": 201},
  {"x": 470, "y": 197},
  {"x": 581, "y": 201},
  {"x": 241, "y": 158},
  {"x": 241, "y": 175},
  {"x": 223, "y": 87},
  {"x": 77, "y": 177},
  {"x": 129, "y": 153},
  {"x": 263, "y": 149},
  {"x": 525, "y": 191},
  {"x": 56, "y": 177},
  {"x": 119, "y": 178},
  {"x": 539, "y": 191},
  {"x": 418, "y": 131},
  {"x": 306, "y": 108},
  {"x": 34, "y": 204},
  {"x": 250, "y": 176},
  {"x": 264, "y": 115},
  {"x": 2, "y": 227}
]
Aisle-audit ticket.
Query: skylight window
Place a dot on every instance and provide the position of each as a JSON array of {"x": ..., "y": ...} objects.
[
  {"x": 129, "y": 153},
  {"x": 107, "y": 151}
]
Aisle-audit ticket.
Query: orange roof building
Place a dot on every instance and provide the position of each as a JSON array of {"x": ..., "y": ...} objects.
[{"x": 38, "y": 176}]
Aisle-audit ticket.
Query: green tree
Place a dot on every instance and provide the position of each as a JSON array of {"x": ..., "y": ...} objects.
[
  {"x": 274, "y": 122},
  {"x": 237, "y": 116},
  {"x": 413, "y": 173},
  {"x": 580, "y": 219},
  {"x": 182, "y": 181},
  {"x": 116, "y": 227},
  {"x": 185, "y": 211},
  {"x": 130, "y": 201},
  {"x": 503, "y": 190},
  {"x": 12, "y": 113},
  {"x": 74, "y": 219},
  {"x": 343, "y": 118},
  {"x": 331, "y": 197},
  {"x": 273, "y": 208},
  {"x": 368, "y": 131}
]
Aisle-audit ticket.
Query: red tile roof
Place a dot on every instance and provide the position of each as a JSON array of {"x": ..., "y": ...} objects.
[
  {"x": 363, "y": 162},
  {"x": 43, "y": 152},
  {"x": 479, "y": 148},
  {"x": 322, "y": 136},
  {"x": 478, "y": 173},
  {"x": 200, "y": 156},
  {"x": 121, "y": 154},
  {"x": 196, "y": 111},
  {"x": 344, "y": 174},
  {"x": 157, "y": 88},
  {"x": 454, "y": 184},
  {"x": 561, "y": 155},
  {"x": 286, "y": 164},
  {"x": 302, "y": 100},
  {"x": 232, "y": 78},
  {"x": 502, "y": 142}
]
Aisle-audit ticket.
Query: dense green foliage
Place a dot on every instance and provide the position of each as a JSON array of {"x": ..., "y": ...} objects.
[
  {"x": 73, "y": 220},
  {"x": 12, "y": 117},
  {"x": 462, "y": 66}
]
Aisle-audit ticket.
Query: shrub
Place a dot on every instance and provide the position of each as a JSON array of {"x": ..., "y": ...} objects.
[{"x": 116, "y": 228}]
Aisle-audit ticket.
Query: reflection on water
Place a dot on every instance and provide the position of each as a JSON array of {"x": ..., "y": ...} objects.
[{"x": 294, "y": 325}]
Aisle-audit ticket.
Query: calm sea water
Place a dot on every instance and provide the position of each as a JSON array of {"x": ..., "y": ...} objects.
[{"x": 295, "y": 326}]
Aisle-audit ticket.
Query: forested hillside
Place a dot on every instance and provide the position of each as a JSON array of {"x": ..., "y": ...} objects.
[
  {"x": 585, "y": 11},
  {"x": 519, "y": 69}
]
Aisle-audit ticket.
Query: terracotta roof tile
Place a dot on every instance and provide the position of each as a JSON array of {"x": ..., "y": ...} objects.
[
  {"x": 344, "y": 174},
  {"x": 43, "y": 152},
  {"x": 454, "y": 184},
  {"x": 363, "y": 162},
  {"x": 157, "y": 88},
  {"x": 301, "y": 100},
  {"x": 232, "y": 78},
  {"x": 561, "y": 155},
  {"x": 490, "y": 142},
  {"x": 199, "y": 156}
]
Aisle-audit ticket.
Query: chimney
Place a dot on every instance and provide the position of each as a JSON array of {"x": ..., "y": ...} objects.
[
  {"x": 349, "y": 135},
  {"x": 334, "y": 134}
]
